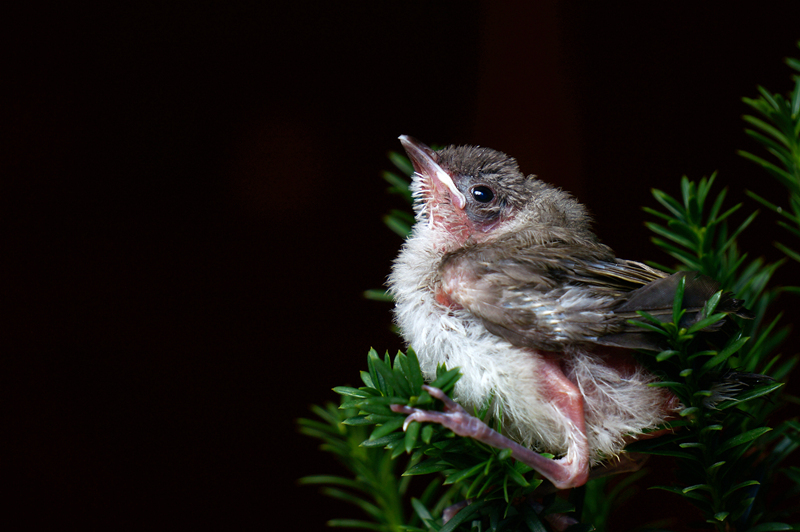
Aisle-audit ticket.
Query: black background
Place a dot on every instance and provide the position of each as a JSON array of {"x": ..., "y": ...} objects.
[{"x": 191, "y": 209}]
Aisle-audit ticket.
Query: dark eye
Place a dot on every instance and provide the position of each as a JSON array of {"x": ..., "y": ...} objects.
[{"x": 482, "y": 194}]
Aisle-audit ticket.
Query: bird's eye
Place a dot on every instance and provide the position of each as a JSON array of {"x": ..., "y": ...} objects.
[{"x": 482, "y": 194}]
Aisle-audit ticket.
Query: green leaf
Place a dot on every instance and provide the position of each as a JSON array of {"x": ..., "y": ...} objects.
[
  {"x": 355, "y": 523},
  {"x": 771, "y": 206},
  {"x": 672, "y": 235},
  {"x": 666, "y": 384},
  {"x": 716, "y": 465},
  {"x": 427, "y": 433},
  {"x": 382, "y": 442},
  {"x": 657, "y": 213},
  {"x": 766, "y": 128},
  {"x": 353, "y": 392},
  {"x": 421, "y": 510},
  {"x": 794, "y": 230},
  {"x": 352, "y": 402},
  {"x": 330, "y": 479},
  {"x": 677, "y": 305},
  {"x": 366, "y": 506},
  {"x": 532, "y": 520},
  {"x": 399, "y": 226},
  {"x": 751, "y": 394},
  {"x": 723, "y": 355},
  {"x": 517, "y": 477},
  {"x": 675, "y": 454},
  {"x": 741, "y": 439},
  {"x": 699, "y": 354},
  {"x": 770, "y": 99},
  {"x": 649, "y": 317},
  {"x": 414, "y": 372},
  {"x": 667, "y": 201},
  {"x": 386, "y": 401},
  {"x": 739, "y": 486},
  {"x": 653, "y": 328},
  {"x": 432, "y": 465},
  {"x": 687, "y": 191},
  {"x": 711, "y": 304},
  {"x": 558, "y": 506},
  {"x": 378, "y": 382},
  {"x": 727, "y": 213},
  {"x": 666, "y": 355},
  {"x": 706, "y": 322},
  {"x": 682, "y": 255},
  {"x": 398, "y": 185},
  {"x": 376, "y": 408},
  {"x": 678, "y": 491},
  {"x": 401, "y": 162},
  {"x": 366, "y": 378},
  {"x": 387, "y": 428},
  {"x": 464, "y": 473},
  {"x": 401, "y": 378},
  {"x": 773, "y": 147},
  {"x": 721, "y": 516},
  {"x": 792, "y": 254},
  {"x": 447, "y": 380},
  {"x": 766, "y": 527},
  {"x": 371, "y": 419},
  {"x": 378, "y": 295},
  {"x": 689, "y": 411},
  {"x": 704, "y": 487},
  {"x": 386, "y": 375},
  {"x": 738, "y": 231},
  {"x": 781, "y": 175},
  {"x": 796, "y": 92}
]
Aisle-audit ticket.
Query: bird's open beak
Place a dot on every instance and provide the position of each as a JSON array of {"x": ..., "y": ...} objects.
[{"x": 422, "y": 157}]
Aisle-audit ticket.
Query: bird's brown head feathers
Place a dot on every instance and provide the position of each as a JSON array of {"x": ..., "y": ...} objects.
[{"x": 476, "y": 194}]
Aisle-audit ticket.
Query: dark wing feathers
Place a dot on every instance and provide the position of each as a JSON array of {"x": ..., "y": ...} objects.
[
  {"x": 657, "y": 299},
  {"x": 550, "y": 296}
]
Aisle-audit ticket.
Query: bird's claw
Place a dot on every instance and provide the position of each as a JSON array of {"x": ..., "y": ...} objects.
[
  {"x": 449, "y": 404},
  {"x": 454, "y": 417}
]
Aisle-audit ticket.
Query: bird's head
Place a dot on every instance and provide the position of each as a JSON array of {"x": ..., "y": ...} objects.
[{"x": 471, "y": 194}]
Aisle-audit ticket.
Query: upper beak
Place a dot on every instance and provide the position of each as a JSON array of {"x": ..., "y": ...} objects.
[{"x": 422, "y": 157}]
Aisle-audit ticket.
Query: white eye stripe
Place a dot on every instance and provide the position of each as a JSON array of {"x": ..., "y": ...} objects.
[{"x": 456, "y": 196}]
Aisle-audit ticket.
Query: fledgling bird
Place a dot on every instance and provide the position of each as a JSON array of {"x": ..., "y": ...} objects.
[{"x": 503, "y": 277}]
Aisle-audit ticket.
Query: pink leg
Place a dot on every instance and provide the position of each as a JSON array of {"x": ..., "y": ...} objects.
[
  {"x": 558, "y": 389},
  {"x": 568, "y": 472}
]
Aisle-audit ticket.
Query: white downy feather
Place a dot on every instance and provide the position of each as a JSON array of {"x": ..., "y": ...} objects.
[{"x": 616, "y": 404}]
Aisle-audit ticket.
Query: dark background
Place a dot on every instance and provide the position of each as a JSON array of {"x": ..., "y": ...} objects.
[{"x": 191, "y": 209}]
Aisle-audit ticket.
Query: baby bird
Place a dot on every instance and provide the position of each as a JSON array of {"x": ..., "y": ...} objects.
[{"x": 503, "y": 277}]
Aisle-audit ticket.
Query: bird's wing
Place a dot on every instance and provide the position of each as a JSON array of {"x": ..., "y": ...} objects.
[{"x": 553, "y": 295}]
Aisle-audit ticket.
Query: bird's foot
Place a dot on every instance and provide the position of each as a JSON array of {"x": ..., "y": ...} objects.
[
  {"x": 564, "y": 473},
  {"x": 454, "y": 417}
]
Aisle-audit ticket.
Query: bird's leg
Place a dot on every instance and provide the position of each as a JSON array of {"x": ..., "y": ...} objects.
[
  {"x": 626, "y": 463},
  {"x": 570, "y": 471},
  {"x": 462, "y": 423}
]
